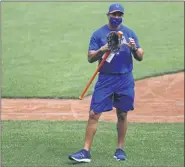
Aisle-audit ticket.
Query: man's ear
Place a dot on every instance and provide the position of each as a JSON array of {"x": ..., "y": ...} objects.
[{"x": 108, "y": 16}]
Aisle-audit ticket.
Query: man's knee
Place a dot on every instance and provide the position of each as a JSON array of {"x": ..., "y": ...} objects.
[
  {"x": 93, "y": 115},
  {"x": 121, "y": 115}
]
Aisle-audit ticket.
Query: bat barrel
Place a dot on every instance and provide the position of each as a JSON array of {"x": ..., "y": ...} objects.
[{"x": 94, "y": 75}]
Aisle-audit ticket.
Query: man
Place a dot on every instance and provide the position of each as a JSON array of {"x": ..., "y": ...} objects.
[{"x": 115, "y": 84}]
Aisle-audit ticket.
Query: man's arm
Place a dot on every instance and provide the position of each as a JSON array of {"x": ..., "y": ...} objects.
[
  {"x": 137, "y": 51},
  {"x": 138, "y": 54},
  {"x": 94, "y": 55}
]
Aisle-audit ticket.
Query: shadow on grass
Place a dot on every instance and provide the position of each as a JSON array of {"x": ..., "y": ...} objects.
[{"x": 75, "y": 163}]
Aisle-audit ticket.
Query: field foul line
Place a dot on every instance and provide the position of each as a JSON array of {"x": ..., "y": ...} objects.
[{"x": 75, "y": 115}]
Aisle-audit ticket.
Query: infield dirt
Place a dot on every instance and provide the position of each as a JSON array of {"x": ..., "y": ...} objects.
[{"x": 158, "y": 99}]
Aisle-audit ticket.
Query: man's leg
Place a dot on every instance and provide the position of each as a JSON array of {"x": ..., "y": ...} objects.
[
  {"x": 101, "y": 101},
  {"x": 122, "y": 125},
  {"x": 84, "y": 154},
  {"x": 91, "y": 129},
  {"x": 121, "y": 130},
  {"x": 124, "y": 103}
]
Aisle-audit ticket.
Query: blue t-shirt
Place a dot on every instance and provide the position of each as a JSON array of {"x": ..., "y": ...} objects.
[{"x": 121, "y": 62}]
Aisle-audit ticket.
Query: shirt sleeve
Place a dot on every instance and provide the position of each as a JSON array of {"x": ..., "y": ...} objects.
[
  {"x": 93, "y": 44},
  {"x": 134, "y": 36}
]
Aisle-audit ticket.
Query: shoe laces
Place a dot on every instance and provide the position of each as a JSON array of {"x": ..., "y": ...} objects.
[
  {"x": 119, "y": 150},
  {"x": 85, "y": 152}
]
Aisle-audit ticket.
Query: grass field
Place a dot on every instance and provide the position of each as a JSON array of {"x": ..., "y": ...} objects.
[
  {"x": 45, "y": 44},
  {"x": 44, "y": 144}
]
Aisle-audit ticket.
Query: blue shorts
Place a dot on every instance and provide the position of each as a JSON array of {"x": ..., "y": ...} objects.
[{"x": 113, "y": 91}]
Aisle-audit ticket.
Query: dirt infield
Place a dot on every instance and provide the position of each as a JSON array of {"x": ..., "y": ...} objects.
[{"x": 158, "y": 99}]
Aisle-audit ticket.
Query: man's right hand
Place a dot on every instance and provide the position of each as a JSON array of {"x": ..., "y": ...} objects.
[
  {"x": 104, "y": 48},
  {"x": 94, "y": 55}
]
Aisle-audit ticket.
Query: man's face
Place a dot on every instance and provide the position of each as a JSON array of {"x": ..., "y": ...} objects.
[{"x": 116, "y": 14}]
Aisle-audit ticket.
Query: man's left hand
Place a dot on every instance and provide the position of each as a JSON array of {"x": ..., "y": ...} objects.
[{"x": 132, "y": 44}]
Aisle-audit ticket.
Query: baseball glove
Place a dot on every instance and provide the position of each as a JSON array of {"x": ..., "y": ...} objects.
[{"x": 114, "y": 41}]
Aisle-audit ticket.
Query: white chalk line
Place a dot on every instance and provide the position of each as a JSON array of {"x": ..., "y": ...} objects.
[
  {"x": 75, "y": 115},
  {"x": 73, "y": 112}
]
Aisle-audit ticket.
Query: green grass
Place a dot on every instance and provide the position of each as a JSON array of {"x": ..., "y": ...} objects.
[
  {"x": 48, "y": 143},
  {"x": 44, "y": 45}
]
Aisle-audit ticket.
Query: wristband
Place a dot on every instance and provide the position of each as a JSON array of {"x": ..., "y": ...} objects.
[{"x": 134, "y": 49}]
